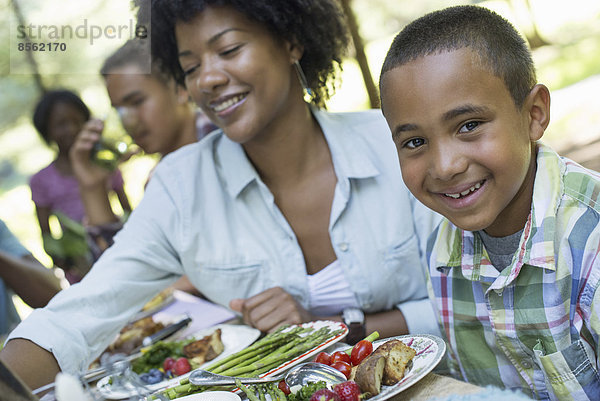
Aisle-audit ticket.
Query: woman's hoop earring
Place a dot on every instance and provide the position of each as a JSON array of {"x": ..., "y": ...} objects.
[{"x": 308, "y": 93}]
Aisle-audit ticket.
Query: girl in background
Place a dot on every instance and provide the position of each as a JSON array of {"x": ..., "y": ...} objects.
[{"x": 58, "y": 117}]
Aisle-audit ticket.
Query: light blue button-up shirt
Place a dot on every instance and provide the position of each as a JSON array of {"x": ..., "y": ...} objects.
[{"x": 207, "y": 213}]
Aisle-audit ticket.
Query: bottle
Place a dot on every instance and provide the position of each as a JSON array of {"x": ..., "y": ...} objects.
[{"x": 108, "y": 154}]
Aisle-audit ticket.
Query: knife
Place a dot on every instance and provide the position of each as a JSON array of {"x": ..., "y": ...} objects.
[{"x": 164, "y": 333}]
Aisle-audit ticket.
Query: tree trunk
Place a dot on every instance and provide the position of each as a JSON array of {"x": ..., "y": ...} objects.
[
  {"x": 534, "y": 38},
  {"x": 360, "y": 56}
]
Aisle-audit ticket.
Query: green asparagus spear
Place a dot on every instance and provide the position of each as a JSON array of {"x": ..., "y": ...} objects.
[
  {"x": 270, "y": 392},
  {"x": 274, "y": 339},
  {"x": 283, "y": 354},
  {"x": 261, "y": 392},
  {"x": 260, "y": 363},
  {"x": 251, "y": 396},
  {"x": 244, "y": 358}
]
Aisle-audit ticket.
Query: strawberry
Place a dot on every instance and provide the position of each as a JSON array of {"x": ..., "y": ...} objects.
[
  {"x": 181, "y": 366},
  {"x": 283, "y": 386},
  {"x": 347, "y": 391},
  {"x": 324, "y": 395},
  {"x": 168, "y": 363}
]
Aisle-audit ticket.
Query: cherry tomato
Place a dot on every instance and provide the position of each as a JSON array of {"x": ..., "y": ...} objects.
[
  {"x": 343, "y": 367},
  {"x": 324, "y": 358},
  {"x": 340, "y": 356},
  {"x": 283, "y": 386},
  {"x": 168, "y": 363},
  {"x": 181, "y": 366},
  {"x": 360, "y": 351}
]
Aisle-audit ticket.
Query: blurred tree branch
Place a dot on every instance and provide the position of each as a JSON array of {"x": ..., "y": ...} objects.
[
  {"x": 360, "y": 56},
  {"x": 28, "y": 54},
  {"x": 534, "y": 37}
]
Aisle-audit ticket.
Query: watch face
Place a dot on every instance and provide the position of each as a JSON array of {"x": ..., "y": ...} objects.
[{"x": 353, "y": 315}]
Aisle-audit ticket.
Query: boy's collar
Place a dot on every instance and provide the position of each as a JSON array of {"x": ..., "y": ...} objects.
[{"x": 536, "y": 247}]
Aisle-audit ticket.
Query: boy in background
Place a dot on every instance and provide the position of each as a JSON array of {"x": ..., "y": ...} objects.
[{"x": 513, "y": 271}]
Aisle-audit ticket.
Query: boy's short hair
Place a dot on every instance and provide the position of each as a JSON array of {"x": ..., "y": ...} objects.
[
  {"x": 134, "y": 52},
  {"x": 493, "y": 38},
  {"x": 45, "y": 106}
]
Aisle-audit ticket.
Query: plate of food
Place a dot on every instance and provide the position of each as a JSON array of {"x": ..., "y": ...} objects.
[
  {"x": 205, "y": 347},
  {"x": 397, "y": 363},
  {"x": 273, "y": 354}
]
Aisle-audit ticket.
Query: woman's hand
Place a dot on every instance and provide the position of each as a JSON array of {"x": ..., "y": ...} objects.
[
  {"x": 270, "y": 309},
  {"x": 88, "y": 174}
]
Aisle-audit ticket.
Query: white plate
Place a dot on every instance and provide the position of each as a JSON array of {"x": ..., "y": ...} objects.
[
  {"x": 234, "y": 338},
  {"x": 211, "y": 396},
  {"x": 430, "y": 351}
]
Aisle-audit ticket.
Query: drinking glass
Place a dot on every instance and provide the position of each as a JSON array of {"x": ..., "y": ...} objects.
[{"x": 114, "y": 142}]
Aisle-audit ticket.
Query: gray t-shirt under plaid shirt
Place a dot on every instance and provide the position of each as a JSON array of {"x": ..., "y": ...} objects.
[{"x": 501, "y": 249}]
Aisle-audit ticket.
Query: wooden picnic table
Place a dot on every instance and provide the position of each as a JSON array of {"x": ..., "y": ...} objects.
[{"x": 436, "y": 386}]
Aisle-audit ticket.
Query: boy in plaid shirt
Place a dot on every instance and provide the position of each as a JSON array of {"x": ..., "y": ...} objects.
[{"x": 514, "y": 269}]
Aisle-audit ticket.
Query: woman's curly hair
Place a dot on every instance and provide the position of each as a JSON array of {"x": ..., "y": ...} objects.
[{"x": 319, "y": 26}]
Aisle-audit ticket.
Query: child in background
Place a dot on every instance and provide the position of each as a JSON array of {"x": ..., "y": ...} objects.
[
  {"x": 514, "y": 271},
  {"x": 58, "y": 117}
]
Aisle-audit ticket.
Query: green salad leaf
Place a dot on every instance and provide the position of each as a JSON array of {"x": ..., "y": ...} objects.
[
  {"x": 305, "y": 392},
  {"x": 156, "y": 354}
]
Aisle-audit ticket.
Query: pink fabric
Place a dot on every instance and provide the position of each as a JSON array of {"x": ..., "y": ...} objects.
[{"x": 61, "y": 193}]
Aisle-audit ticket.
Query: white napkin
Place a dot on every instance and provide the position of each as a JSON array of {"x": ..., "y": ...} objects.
[{"x": 69, "y": 388}]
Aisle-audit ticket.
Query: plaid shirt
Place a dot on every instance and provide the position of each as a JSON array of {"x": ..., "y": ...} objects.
[{"x": 534, "y": 326}]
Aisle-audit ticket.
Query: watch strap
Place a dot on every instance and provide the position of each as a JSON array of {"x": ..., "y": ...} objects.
[
  {"x": 356, "y": 332},
  {"x": 354, "y": 318}
]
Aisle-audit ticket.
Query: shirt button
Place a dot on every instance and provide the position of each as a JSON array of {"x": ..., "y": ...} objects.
[
  {"x": 526, "y": 364},
  {"x": 344, "y": 246}
]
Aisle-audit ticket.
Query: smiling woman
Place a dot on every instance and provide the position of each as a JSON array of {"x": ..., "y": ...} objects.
[
  {"x": 286, "y": 214},
  {"x": 296, "y": 22},
  {"x": 230, "y": 53}
]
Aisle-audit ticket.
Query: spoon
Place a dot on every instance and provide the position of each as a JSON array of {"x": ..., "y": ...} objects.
[{"x": 298, "y": 375}]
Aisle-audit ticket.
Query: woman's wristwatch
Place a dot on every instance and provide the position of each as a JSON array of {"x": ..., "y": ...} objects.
[{"x": 354, "y": 318}]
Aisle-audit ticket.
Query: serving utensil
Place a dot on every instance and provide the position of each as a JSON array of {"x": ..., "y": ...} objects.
[{"x": 298, "y": 375}]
